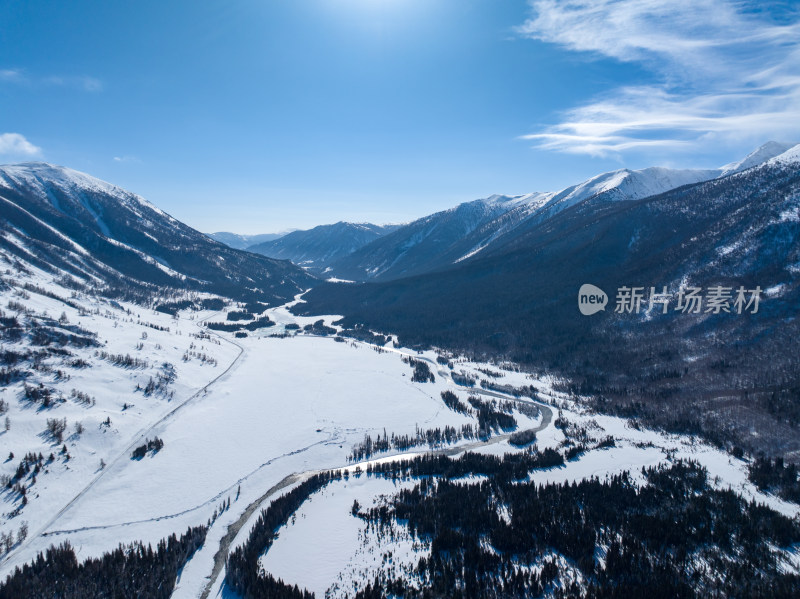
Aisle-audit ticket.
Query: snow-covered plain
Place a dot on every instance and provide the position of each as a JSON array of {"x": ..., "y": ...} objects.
[
  {"x": 252, "y": 412},
  {"x": 325, "y": 533}
]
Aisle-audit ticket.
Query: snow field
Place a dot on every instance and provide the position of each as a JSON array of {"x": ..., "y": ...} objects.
[
  {"x": 110, "y": 387},
  {"x": 329, "y": 549}
]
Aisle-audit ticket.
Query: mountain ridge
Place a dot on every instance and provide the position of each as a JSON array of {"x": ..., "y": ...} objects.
[
  {"x": 242, "y": 242},
  {"x": 107, "y": 236},
  {"x": 438, "y": 241},
  {"x": 317, "y": 248}
]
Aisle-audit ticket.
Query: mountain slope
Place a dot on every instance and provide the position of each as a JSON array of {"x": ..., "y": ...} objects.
[
  {"x": 440, "y": 240},
  {"x": 723, "y": 374},
  {"x": 242, "y": 242},
  {"x": 446, "y": 238},
  {"x": 317, "y": 248},
  {"x": 55, "y": 217},
  {"x": 428, "y": 243}
]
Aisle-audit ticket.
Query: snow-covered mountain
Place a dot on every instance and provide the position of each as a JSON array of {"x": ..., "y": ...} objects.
[
  {"x": 242, "y": 242},
  {"x": 518, "y": 298},
  {"x": 433, "y": 241},
  {"x": 315, "y": 249},
  {"x": 446, "y": 238},
  {"x": 626, "y": 184},
  {"x": 760, "y": 155},
  {"x": 57, "y": 218}
]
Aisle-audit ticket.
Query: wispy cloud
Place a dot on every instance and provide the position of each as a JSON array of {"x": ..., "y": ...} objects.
[
  {"x": 80, "y": 82},
  {"x": 86, "y": 83},
  {"x": 10, "y": 75},
  {"x": 15, "y": 144},
  {"x": 725, "y": 70},
  {"x": 132, "y": 159}
]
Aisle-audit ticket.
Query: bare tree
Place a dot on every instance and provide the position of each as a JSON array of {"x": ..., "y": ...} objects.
[{"x": 56, "y": 428}]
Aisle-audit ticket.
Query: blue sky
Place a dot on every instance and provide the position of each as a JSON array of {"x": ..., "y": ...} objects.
[{"x": 260, "y": 115}]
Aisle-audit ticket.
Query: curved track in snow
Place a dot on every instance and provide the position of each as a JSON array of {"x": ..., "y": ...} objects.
[{"x": 221, "y": 556}]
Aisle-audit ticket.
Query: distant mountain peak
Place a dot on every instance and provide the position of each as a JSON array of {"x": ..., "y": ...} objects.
[
  {"x": 60, "y": 219},
  {"x": 315, "y": 249},
  {"x": 760, "y": 155},
  {"x": 53, "y": 173},
  {"x": 38, "y": 175},
  {"x": 792, "y": 155}
]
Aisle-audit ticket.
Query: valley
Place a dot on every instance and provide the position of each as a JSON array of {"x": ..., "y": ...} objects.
[
  {"x": 238, "y": 416},
  {"x": 259, "y": 419},
  {"x": 400, "y": 299},
  {"x": 245, "y": 419}
]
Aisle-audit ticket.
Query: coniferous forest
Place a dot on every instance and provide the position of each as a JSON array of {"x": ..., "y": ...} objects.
[
  {"x": 129, "y": 571},
  {"x": 663, "y": 532}
]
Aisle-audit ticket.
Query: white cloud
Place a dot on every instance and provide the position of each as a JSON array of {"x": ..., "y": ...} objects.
[
  {"x": 86, "y": 83},
  {"x": 724, "y": 70},
  {"x": 10, "y": 75},
  {"x": 81, "y": 82},
  {"x": 16, "y": 145},
  {"x": 133, "y": 159}
]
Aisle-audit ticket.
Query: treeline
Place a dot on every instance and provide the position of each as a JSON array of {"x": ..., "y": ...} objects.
[
  {"x": 491, "y": 418},
  {"x": 435, "y": 437},
  {"x": 512, "y": 466},
  {"x": 43, "y": 333},
  {"x": 133, "y": 570},
  {"x": 155, "y": 445},
  {"x": 237, "y": 315},
  {"x": 319, "y": 328},
  {"x": 42, "y": 330},
  {"x": 422, "y": 372},
  {"x": 250, "y": 311},
  {"x": 153, "y": 326},
  {"x": 524, "y": 391},
  {"x": 207, "y": 303},
  {"x": 47, "y": 293},
  {"x": 172, "y": 308},
  {"x": 451, "y": 400},
  {"x": 774, "y": 475},
  {"x": 123, "y": 361},
  {"x": 260, "y": 322},
  {"x": 676, "y": 536},
  {"x": 360, "y": 333}
]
